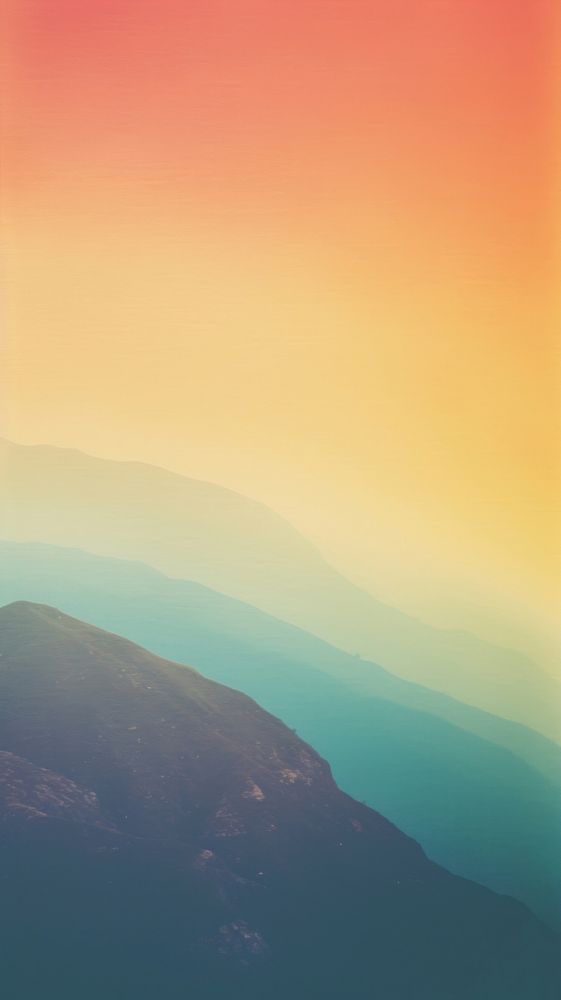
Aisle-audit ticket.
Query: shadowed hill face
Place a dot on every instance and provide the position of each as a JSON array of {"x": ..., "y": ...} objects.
[
  {"x": 171, "y": 838},
  {"x": 199, "y": 531},
  {"x": 482, "y": 796}
]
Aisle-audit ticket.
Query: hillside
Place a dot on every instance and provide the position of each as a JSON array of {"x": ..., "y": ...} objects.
[
  {"x": 480, "y": 794},
  {"x": 162, "y": 834}
]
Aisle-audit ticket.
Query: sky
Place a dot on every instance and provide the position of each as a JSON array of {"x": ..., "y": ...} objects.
[{"x": 304, "y": 249}]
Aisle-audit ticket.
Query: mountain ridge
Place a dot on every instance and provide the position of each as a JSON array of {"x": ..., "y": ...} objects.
[
  {"x": 473, "y": 806},
  {"x": 237, "y": 546},
  {"x": 272, "y": 860}
]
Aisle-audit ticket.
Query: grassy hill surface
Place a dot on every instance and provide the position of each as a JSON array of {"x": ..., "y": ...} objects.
[{"x": 163, "y": 835}]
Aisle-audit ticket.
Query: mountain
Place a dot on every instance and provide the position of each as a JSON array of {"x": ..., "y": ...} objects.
[
  {"x": 202, "y": 532},
  {"x": 480, "y": 794},
  {"x": 164, "y": 836}
]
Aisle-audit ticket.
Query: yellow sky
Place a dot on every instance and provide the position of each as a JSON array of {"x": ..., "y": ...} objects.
[{"x": 411, "y": 436}]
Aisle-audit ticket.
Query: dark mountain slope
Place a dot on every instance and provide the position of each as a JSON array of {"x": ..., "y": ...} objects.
[
  {"x": 486, "y": 813},
  {"x": 164, "y": 836},
  {"x": 200, "y": 531}
]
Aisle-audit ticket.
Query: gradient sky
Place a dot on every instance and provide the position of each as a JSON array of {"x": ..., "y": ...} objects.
[{"x": 302, "y": 248}]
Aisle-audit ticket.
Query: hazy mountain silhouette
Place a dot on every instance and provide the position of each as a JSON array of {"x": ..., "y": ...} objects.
[
  {"x": 200, "y": 531},
  {"x": 482, "y": 796},
  {"x": 164, "y": 836}
]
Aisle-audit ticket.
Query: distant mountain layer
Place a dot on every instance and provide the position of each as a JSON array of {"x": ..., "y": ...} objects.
[
  {"x": 482, "y": 795},
  {"x": 202, "y": 532},
  {"x": 163, "y": 836}
]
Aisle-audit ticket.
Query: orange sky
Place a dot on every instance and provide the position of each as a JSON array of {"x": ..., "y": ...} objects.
[{"x": 303, "y": 249}]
